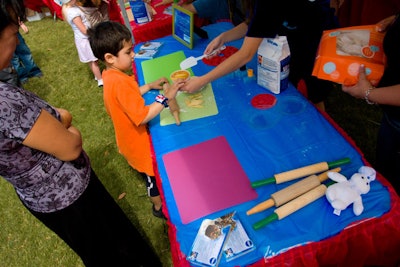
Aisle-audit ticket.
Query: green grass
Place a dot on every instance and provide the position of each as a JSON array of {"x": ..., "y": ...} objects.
[{"x": 70, "y": 84}]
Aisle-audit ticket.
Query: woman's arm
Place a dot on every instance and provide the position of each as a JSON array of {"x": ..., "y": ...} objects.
[
  {"x": 233, "y": 34},
  {"x": 243, "y": 56},
  {"x": 50, "y": 136},
  {"x": 389, "y": 95},
  {"x": 363, "y": 89}
]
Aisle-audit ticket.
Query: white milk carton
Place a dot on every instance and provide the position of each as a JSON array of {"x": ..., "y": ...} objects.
[{"x": 273, "y": 64}]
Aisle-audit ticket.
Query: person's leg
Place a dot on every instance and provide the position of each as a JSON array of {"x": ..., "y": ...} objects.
[
  {"x": 94, "y": 67},
  {"x": 154, "y": 194},
  {"x": 23, "y": 61},
  {"x": 97, "y": 229}
]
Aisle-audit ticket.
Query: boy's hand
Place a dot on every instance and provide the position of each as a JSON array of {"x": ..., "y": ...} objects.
[
  {"x": 170, "y": 90},
  {"x": 158, "y": 84}
]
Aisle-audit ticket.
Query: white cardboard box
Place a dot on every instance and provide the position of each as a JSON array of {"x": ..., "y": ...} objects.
[{"x": 273, "y": 64}]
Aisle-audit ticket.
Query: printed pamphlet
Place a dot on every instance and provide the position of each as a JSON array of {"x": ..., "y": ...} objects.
[
  {"x": 151, "y": 45},
  {"x": 238, "y": 242},
  {"x": 221, "y": 238},
  {"x": 146, "y": 54}
]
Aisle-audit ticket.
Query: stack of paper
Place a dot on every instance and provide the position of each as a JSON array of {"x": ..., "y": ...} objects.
[{"x": 148, "y": 50}]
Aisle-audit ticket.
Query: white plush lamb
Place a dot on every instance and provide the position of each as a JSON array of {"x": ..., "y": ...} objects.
[{"x": 346, "y": 192}]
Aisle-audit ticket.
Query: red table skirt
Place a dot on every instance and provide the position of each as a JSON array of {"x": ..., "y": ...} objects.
[{"x": 159, "y": 27}]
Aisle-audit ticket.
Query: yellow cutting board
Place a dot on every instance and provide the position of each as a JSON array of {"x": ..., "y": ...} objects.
[{"x": 192, "y": 106}]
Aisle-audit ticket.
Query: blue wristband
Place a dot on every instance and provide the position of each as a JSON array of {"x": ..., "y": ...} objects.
[{"x": 162, "y": 100}]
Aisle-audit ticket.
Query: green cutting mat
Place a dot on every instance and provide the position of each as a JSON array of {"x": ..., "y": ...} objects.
[{"x": 164, "y": 66}]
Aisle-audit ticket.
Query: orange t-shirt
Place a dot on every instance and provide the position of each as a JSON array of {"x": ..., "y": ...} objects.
[{"x": 126, "y": 107}]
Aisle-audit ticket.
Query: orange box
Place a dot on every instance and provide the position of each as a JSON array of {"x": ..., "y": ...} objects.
[{"x": 342, "y": 51}]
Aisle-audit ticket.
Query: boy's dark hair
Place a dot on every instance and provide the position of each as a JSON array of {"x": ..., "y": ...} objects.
[{"x": 108, "y": 37}]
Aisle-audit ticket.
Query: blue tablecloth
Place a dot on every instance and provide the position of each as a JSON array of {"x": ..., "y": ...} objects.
[{"x": 291, "y": 134}]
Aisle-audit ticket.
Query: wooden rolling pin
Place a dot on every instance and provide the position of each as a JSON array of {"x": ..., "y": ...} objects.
[
  {"x": 291, "y": 192},
  {"x": 174, "y": 109},
  {"x": 293, "y": 206},
  {"x": 300, "y": 172}
]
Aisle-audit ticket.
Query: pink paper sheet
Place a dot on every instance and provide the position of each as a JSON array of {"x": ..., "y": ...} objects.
[{"x": 206, "y": 178}]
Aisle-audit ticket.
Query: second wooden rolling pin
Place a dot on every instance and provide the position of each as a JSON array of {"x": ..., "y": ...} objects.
[
  {"x": 285, "y": 195},
  {"x": 293, "y": 206},
  {"x": 300, "y": 172},
  {"x": 174, "y": 109}
]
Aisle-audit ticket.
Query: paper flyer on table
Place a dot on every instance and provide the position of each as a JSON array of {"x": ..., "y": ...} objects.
[
  {"x": 238, "y": 242},
  {"x": 146, "y": 54},
  {"x": 221, "y": 238},
  {"x": 151, "y": 45}
]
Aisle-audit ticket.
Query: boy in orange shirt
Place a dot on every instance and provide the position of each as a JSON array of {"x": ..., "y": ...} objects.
[{"x": 111, "y": 42}]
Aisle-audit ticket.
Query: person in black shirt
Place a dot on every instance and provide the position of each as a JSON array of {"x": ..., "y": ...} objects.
[
  {"x": 387, "y": 95},
  {"x": 302, "y": 21}
]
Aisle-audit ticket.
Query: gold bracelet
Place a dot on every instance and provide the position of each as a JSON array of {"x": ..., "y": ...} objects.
[{"x": 367, "y": 92}]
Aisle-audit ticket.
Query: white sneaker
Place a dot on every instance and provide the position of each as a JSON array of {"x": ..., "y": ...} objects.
[{"x": 100, "y": 83}]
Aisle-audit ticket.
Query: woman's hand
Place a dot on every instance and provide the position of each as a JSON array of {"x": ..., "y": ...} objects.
[
  {"x": 66, "y": 117},
  {"x": 170, "y": 90},
  {"x": 194, "y": 84},
  {"x": 216, "y": 43},
  {"x": 359, "y": 89},
  {"x": 383, "y": 25},
  {"x": 233, "y": 34}
]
